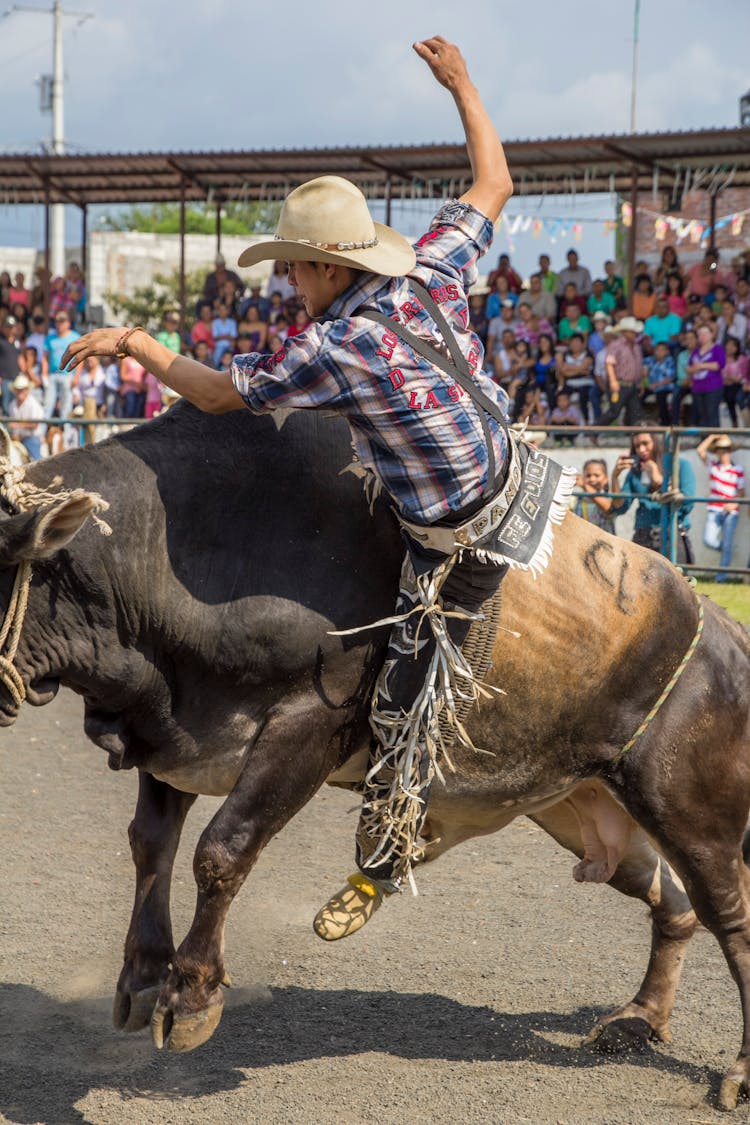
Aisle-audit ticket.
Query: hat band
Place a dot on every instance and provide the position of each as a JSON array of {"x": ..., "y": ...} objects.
[{"x": 367, "y": 245}]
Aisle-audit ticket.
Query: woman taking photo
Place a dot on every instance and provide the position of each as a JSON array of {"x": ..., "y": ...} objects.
[{"x": 646, "y": 483}]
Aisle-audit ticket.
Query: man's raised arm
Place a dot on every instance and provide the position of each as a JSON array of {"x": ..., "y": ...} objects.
[{"x": 492, "y": 187}]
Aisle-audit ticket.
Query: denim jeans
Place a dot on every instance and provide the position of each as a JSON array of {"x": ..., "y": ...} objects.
[
  {"x": 720, "y": 528},
  {"x": 59, "y": 386}
]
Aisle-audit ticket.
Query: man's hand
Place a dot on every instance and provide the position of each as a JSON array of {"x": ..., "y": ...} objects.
[
  {"x": 444, "y": 60},
  {"x": 102, "y": 341}
]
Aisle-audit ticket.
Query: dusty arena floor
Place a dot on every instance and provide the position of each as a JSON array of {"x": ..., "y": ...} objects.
[{"x": 463, "y": 1005}]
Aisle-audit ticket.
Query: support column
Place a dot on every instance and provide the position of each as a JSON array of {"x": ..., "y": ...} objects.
[
  {"x": 182, "y": 261},
  {"x": 85, "y": 248},
  {"x": 633, "y": 235},
  {"x": 712, "y": 198},
  {"x": 218, "y": 225},
  {"x": 388, "y": 201},
  {"x": 46, "y": 281}
]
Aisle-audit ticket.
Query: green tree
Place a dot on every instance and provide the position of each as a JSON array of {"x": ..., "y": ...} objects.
[
  {"x": 149, "y": 302},
  {"x": 200, "y": 218}
]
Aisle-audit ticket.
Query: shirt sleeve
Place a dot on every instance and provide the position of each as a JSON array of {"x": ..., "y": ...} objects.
[
  {"x": 302, "y": 374},
  {"x": 458, "y": 236}
]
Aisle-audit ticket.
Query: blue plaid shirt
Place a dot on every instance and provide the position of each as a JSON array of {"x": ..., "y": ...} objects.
[{"x": 412, "y": 424}]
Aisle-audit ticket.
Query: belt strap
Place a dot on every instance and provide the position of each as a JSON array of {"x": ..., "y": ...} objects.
[{"x": 457, "y": 366}]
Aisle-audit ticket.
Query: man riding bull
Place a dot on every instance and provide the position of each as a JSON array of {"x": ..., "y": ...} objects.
[{"x": 391, "y": 350}]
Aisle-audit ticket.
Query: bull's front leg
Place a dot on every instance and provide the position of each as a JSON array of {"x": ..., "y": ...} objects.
[
  {"x": 287, "y": 765},
  {"x": 154, "y": 835}
]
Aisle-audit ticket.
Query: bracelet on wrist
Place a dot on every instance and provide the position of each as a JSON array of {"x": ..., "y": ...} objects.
[{"x": 120, "y": 347}]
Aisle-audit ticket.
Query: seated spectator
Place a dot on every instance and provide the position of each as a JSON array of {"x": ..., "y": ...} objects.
[
  {"x": 734, "y": 375},
  {"x": 30, "y": 366},
  {"x": 500, "y": 351},
  {"x": 575, "y": 371},
  {"x": 645, "y": 482},
  {"x": 202, "y": 330},
  {"x": 88, "y": 393},
  {"x": 596, "y": 342},
  {"x": 75, "y": 287},
  {"x": 225, "y": 359},
  {"x": 530, "y": 327},
  {"x": 18, "y": 294},
  {"x": 549, "y": 279},
  {"x": 573, "y": 322},
  {"x": 203, "y": 353},
  {"x": 540, "y": 300},
  {"x": 255, "y": 301},
  {"x": 669, "y": 264},
  {"x": 478, "y": 319},
  {"x": 521, "y": 374},
  {"x": 212, "y": 286},
  {"x": 576, "y": 273},
  {"x": 660, "y": 380},
  {"x": 731, "y": 323},
  {"x": 275, "y": 306},
  {"x": 224, "y": 331},
  {"x": 26, "y": 413},
  {"x": 571, "y": 296},
  {"x": 132, "y": 388},
  {"x": 230, "y": 294},
  {"x": 674, "y": 291},
  {"x": 276, "y": 334},
  {"x": 545, "y": 368},
  {"x": 498, "y": 324},
  {"x": 278, "y": 282},
  {"x": 37, "y": 336},
  {"x": 500, "y": 292},
  {"x": 112, "y": 396},
  {"x": 704, "y": 276},
  {"x": 506, "y": 271},
  {"x": 614, "y": 284},
  {"x": 255, "y": 328},
  {"x": 154, "y": 390},
  {"x": 742, "y": 297},
  {"x": 662, "y": 327},
  {"x": 726, "y": 487},
  {"x": 565, "y": 413},
  {"x": 644, "y": 298},
  {"x": 595, "y": 509},
  {"x": 300, "y": 324},
  {"x": 600, "y": 300},
  {"x": 532, "y": 409},
  {"x": 5, "y": 287},
  {"x": 169, "y": 333},
  {"x": 10, "y": 367}
]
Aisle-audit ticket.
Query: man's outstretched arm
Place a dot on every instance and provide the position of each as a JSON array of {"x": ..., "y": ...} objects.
[{"x": 492, "y": 187}]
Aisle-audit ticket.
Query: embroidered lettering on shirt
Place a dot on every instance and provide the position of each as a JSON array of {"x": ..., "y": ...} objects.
[
  {"x": 429, "y": 402},
  {"x": 390, "y": 339},
  {"x": 428, "y": 237},
  {"x": 442, "y": 293}
]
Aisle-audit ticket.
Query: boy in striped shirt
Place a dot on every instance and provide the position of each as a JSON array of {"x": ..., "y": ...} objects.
[{"x": 727, "y": 486}]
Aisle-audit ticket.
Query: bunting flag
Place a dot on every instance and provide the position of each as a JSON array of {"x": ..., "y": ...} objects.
[{"x": 694, "y": 230}]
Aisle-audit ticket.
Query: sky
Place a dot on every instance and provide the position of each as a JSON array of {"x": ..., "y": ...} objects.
[{"x": 152, "y": 75}]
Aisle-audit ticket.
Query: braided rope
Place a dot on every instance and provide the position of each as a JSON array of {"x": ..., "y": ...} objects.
[
  {"x": 667, "y": 690},
  {"x": 24, "y": 495}
]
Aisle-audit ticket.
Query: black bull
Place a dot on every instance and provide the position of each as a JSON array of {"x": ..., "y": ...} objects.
[{"x": 198, "y": 636}]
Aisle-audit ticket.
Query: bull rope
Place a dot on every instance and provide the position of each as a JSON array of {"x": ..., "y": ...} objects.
[
  {"x": 25, "y": 496},
  {"x": 667, "y": 690}
]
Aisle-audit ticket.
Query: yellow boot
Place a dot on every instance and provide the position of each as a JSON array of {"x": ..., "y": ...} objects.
[{"x": 349, "y": 910}]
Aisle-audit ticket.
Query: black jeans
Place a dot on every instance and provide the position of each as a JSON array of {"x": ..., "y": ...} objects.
[{"x": 630, "y": 402}]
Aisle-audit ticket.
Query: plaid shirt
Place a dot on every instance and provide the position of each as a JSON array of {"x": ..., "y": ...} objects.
[{"x": 412, "y": 425}]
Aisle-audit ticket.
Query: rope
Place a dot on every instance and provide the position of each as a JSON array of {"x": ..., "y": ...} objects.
[
  {"x": 24, "y": 495},
  {"x": 667, "y": 690}
]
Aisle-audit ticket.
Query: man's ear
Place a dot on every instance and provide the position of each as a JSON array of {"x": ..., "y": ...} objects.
[{"x": 43, "y": 532}]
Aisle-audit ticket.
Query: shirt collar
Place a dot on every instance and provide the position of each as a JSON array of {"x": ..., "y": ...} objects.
[{"x": 361, "y": 292}]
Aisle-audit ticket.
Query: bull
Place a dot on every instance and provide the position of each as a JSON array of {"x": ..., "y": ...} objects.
[{"x": 199, "y": 635}]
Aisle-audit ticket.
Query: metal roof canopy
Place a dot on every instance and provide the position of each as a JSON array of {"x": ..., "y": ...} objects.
[{"x": 708, "y": 159}]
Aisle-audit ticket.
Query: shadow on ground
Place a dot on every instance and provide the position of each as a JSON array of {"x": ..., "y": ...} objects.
[{"x": 54, "y": 1052}]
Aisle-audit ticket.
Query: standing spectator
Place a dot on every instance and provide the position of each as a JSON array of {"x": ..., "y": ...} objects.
[
  {"x": 576, "y": 273},
  {"x": 704, "y": 276},
  {"x": 734, "y": 375},
  {"x": 37, "y": 338},
  {"x": 58, "y": 384},
  {"x": 9, "y": 363},
  {"x": 669, "y": 264},
  {"x": 644, "y": 298},
  {"x": 731, "y": 323},
  {"x": 727, "y": 486},
  {"x": 705, "y": 368},
  {"x": 646, "y": 483},
  {"x": 224, "y": 331},
  {"x": 132, "y": 387},
  {"x": 153, "y": 395},
  {"x": 549, "y": 279},
  {"x": 202, "y": 330},
  {"x": 112, "y": 397},
  {"x": 539, "y": 300},
  {"x": 595, "y": 509},
  {"x": 600, "y": 300},
  {"x": 75, "y": 288},
  {"x": 575, "y": 371},
  {"x": 26, "y": 413},
  {"x": 505, "y": 270},
  {"x": 169, "y": 333},
  {"x": 660, "y": 379},
  {"x": 689, "y": 342},
  {"x": 596, "y": 341},
  {"x": 674, "y": 292},
  {"x": 624, "y": 366},
  {"x": 88, "y": 389},
  {"x": 614, "y": 284},
  {"x": 212, "y": 286}
]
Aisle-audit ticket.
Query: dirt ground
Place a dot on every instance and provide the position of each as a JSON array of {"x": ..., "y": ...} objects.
[{"x": 465, "y": 1004}]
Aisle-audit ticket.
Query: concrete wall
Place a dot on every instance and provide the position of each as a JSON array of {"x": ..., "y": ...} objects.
[{"x": 704, "y": 556}]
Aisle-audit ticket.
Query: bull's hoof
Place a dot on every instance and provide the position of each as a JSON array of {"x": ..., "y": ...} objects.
[
  {"x": 184, "y": 1033},
  {"x": 620, "y": 1036},
  {"x": 735, "y": 1083},
  {"x": 132, "y": 1010}
]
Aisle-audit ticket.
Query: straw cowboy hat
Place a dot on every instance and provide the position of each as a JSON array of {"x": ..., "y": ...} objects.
[
  {"x": 629, "y": 324},
  {"x": 724, "y": 442},
  {"x": 327, "y": 220}
]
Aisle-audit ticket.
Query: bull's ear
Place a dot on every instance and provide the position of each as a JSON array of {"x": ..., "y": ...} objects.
[{"x": 39, "y": 534}]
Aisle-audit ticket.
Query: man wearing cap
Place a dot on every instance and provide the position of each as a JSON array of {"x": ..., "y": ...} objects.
[
  {"x": 727, "y": 486},
  {"x": 414, "y": 426},
  {"x": 26, "y": 412},
  {"x": 9, "y": 368},
  {"x": 624, "y": 366}
]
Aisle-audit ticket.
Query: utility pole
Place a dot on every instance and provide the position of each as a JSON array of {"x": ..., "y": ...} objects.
[
  {"x": 57, "y": 146},
  {"x": 634, "y": 79}
]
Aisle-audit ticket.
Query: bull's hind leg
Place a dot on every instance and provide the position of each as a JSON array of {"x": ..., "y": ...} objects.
[
  {"x": 154, "y": 835},
  {"x": 643, "y": 874},
  {"x": 288, "y": 763}
]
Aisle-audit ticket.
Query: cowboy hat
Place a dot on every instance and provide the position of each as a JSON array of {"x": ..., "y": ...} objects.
[
  {"x": 724, "y": 442},
  {"x": 21, "y": 383},
  {"x": 327, "y": 220},
  {"x": 629, "y": 324}
]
